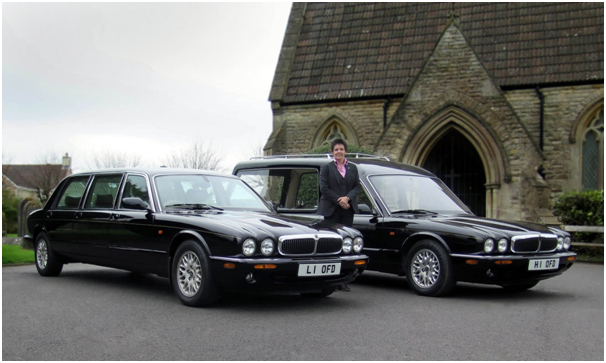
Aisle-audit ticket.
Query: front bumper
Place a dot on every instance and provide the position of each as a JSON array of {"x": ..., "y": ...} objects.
[
  {"x": 507, "y": 269},
  {"x": 245, "y": 274}
]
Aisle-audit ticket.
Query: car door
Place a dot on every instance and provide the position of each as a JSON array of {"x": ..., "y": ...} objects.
[
  {"x": 60, "y": 218},
  {"x": 92, "y": 220},
  {"x": 136, "y": 242}
]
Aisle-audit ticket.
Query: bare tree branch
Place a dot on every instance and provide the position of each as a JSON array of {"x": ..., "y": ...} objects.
[
  {"x": 108, "y": 159},
  {"x": 196, "y": 156}
]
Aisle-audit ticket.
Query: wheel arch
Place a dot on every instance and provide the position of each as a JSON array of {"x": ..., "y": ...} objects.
[
  {"x": 177, "y": 240},
  {"x": 415, "y": 238}
]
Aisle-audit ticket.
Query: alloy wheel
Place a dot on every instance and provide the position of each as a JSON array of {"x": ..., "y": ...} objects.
[
  {"x": 42, "y": 254},
  {"x": 190, "y": 274},
  {"x": 425, "y": 268}
]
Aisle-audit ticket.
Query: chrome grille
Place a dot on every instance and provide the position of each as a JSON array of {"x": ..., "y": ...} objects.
[
  {"x": 532, "y": 243},
  {"x": 310, "y": 244}
]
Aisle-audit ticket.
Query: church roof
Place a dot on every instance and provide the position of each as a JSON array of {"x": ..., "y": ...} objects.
[{"x": 335, "y": 51}]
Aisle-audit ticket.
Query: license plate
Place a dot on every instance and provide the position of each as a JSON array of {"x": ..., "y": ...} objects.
[
  {"x": 550, "y": 264},
  {"x": 319, "y": 269}
]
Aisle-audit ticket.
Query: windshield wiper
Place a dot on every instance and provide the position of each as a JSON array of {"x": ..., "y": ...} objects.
[
  {"x": 192, "y": 206},
  {"x": 415, "y": 211}
]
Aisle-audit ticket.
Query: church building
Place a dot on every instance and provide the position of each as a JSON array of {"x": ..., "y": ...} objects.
[{"x": 502, "y": 101}]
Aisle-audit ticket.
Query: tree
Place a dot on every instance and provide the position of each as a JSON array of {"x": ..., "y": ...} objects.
[
  {"x": 196, "y": 156},
  {"x": 48, "y": 173},
  {"x": 108, "y": 159}
]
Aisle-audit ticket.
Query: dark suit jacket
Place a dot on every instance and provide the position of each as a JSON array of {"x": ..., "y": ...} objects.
[{"x": 330, "y": 184}]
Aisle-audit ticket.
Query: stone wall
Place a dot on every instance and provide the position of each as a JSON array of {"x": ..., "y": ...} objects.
[{"x": 455, "y": 90}]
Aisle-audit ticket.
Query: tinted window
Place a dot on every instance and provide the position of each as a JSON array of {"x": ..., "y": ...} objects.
[
  {"x": 103, "y": 191},
  {"x": 70, "y": 199},
  {"x": 136, "y": 187}
]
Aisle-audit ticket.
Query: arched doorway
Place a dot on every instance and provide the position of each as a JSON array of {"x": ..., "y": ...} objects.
[{"x": 456, "y": 162}]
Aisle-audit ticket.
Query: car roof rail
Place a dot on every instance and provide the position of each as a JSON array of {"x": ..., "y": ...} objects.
[{"x": 327, "y": 156}]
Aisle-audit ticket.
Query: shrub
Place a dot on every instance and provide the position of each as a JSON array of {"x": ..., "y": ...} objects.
[
  {"x": 10, "y": 205},
  {"x": 581, "y": 209}
]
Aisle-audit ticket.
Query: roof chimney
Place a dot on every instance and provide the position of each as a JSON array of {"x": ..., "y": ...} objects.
[{"x": 67, "y": 162}]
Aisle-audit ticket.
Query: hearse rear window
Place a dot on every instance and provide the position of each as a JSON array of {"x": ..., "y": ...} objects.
[{"x": 290, "y": 188}]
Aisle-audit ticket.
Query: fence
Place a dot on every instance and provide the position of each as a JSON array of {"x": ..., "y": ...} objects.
[{"x": 586, "y": 229}]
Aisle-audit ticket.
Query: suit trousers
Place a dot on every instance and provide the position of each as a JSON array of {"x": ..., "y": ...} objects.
[{"x": 342, "y": 216}]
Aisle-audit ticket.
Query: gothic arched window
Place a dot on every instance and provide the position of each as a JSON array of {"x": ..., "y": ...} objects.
[
  {"x": 593, "y": 152},
  {"x": 333, "y": 130}
]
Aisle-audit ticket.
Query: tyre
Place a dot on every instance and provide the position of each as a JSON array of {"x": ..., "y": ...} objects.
[
  {"x": 47, "y": 262},
  {"x": 324, "y": 293},
  {"x": 429, "y": 271},
  {"x": 519, "y": 287},
  {"x": 191, "y": 276}
]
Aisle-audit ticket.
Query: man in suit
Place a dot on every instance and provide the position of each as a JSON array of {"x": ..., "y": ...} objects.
[{"x": 340, "y": 186}]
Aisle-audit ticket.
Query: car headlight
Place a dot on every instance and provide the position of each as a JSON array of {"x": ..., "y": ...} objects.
[
  {"x": 358, "y": 244},
  {"x": 267, "y": 247},
  {"x": 560, "y": 243},
  {"x": 489, "y": 245},
  {"x": 567, "y": 242},
  {"x": 248, "y": 247},
  {"x": 502, "y": 246},
  {"x": 347, "y": 245}
]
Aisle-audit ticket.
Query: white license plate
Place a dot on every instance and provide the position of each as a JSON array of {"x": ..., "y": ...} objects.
[
  {"x": 550, "y": 264},
  {"x": 319, "y": 269}
]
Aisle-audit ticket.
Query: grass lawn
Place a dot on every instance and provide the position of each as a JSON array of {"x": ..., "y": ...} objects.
[{"x": 12, "y": 254}]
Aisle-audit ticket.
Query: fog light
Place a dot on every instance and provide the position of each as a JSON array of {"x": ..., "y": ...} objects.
[
  {"x": 229, "y": 265},
  {"x": 472, "y": 262},
  {"x": 504, "y": 262},
  {"x": 360, "y": 262}
]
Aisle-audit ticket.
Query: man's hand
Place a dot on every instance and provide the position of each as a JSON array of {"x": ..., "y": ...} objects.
[{"x": 344, "y": 202}]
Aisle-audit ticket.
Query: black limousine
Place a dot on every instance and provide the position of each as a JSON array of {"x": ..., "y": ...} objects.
[
  {"x": 206, "y": 232},
  {"x": 414, "y": 226}
]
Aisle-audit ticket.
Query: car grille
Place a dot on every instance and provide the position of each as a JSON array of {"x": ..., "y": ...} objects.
[
  {"x": 533, "y": 243},
  {"x": 310, "y": 244}
]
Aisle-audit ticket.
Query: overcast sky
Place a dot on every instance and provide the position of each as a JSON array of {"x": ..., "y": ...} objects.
[{"x": 142, "y": 78}]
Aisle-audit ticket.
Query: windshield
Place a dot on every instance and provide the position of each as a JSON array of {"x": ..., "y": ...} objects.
[
  {"x": 206, "y": 192},
  {"x": 407, "y": 193}
]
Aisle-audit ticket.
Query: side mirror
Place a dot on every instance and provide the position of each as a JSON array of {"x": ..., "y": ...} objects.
[
  {"x": 135, "y": 203},
  {"x": 364, "y": 209},
  {"x": 274, "y": 206}
]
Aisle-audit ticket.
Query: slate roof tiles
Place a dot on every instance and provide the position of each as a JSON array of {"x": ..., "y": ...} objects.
[{"x": 351, "y": 50}]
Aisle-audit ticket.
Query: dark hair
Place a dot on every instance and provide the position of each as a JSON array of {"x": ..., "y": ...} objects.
[{"x": 336, "y": 142}]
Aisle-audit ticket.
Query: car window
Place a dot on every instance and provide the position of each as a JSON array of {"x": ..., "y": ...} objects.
[
  {"x": 135, "y": 187},
  {"x": 195, "y": 191},
  {"x": 289, "y": 188},
  {"x": 73, "y": 192},
  {"x": 406, "y": 193},
  {"x": 365, "y": 206},
  {"x": 103, "y": 191}
]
